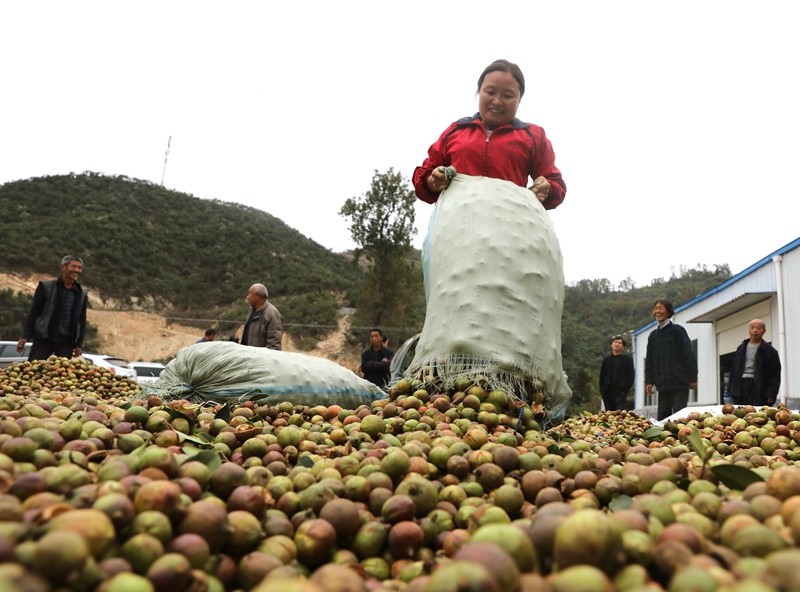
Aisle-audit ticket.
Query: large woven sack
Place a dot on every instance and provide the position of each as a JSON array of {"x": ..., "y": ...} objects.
[
  {"x": 223, "y": 370},
  {"x": 494, "y": 285}
]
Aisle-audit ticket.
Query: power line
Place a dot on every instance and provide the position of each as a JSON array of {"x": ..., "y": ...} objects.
[{"x": 311, "y": 325}]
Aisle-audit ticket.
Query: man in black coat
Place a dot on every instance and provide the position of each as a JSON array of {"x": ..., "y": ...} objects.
[
  {"x": 616, "y": 376},
  {"x": 56, "y": 322},
  {"x": 375, "y": 360},
  {"x": 756, "y": 373}
]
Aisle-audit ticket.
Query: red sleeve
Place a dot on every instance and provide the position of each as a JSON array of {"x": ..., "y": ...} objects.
[
  {"x": 436, "y": 157},
  {"x": 544, "y": 165}
]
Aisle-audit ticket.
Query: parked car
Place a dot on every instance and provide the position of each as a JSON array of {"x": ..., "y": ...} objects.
[
  {"x": 9, "y": 354},
  {"x": 147, "y": 372},
  {"x": 402, "y": 359},
  {"x": 118, "y": 366}
]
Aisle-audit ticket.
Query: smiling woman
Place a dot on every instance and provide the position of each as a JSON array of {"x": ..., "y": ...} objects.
[{"x": 494, "y": 143}]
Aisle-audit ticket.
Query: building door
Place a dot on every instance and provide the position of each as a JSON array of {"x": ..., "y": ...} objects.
[{"x": 725, "y": 365}]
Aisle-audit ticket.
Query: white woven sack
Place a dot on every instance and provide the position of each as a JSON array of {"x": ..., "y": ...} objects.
[
  {"x": 223, "y": 370},
  {"x": 494, "y": 285}
]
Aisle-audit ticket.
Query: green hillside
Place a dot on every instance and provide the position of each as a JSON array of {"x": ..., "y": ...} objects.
[
  {"x": 176, "y": 254},
  {"x": 142, "y": 243}
]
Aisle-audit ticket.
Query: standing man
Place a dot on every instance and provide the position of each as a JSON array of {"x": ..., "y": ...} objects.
[
  {"x": 756, "y": 373},
  {"x": 210, "y": 335},
  {"x": 57, "y": 319},
  {"x": 616, "y": 376},
  {"x": 670, "y": 364},
  {"x": 264, "y": 326},
  {"x": 375, "y": 360}
]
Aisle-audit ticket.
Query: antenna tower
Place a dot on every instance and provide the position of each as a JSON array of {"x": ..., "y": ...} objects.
[{"x": 166, "y": 156}]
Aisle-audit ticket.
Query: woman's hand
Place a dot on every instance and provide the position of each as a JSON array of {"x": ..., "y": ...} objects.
[
  {"x": 438, "y": 180},
  {"x": 540, "y": 188}
]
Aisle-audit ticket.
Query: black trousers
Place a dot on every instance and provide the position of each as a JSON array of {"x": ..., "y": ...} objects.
[
  {"x": 41, "y": 349},
  {"x": 749, "y": 394},
  {"x": 614, "y": 401},
  {"x": 671, "y": 401}
]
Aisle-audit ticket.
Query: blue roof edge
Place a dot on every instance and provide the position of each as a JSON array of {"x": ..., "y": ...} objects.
[{"x": 731, "y": 280}]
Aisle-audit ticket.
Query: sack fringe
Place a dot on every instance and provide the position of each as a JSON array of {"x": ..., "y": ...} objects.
[{"x": 443, "y": 371}]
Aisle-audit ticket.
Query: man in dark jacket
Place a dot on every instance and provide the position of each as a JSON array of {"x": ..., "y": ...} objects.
[
  {"x": 376, "y": 359},
  {"x": 616, "y": 376},
  {"x": 670, "y": 364},
  {"x": 264, "y": 326},
  {"x": 209, "y": 335},
  {"x": 756, "y": 373},
  {"x": 57, "y": 319}
]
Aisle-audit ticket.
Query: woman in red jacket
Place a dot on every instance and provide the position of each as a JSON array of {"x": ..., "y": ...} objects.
[{"x": 494, "y": 143}]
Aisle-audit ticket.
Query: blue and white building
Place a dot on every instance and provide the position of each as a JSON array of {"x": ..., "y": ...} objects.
[{"x": 717, "y": 321}]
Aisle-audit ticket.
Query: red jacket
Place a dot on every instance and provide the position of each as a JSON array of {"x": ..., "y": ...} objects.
[{"x": 513, "y": 152}]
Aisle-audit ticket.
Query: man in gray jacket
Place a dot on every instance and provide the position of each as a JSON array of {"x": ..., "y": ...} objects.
[{"x": 264, "y": 326}]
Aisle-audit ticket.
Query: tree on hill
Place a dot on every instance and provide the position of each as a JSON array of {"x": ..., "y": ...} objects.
[{"x": 382, "y": 226}]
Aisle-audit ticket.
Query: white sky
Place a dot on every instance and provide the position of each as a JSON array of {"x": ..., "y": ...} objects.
[{"x": 675, "y": 124}]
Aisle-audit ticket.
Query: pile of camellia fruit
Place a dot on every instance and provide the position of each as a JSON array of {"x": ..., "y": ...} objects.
[{"x": 110, "y": 488}]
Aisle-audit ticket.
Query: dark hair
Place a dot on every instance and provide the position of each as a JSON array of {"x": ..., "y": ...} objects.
[
  {"x": 504, "y": 66},
  {"x": 211, "y": 331},
  {"x": 379, "y": 332},
  {"x": 620, "y": 337},
  {"x": 666, "y": 304}
]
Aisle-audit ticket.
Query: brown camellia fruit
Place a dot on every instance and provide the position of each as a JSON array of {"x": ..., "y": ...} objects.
[
  {"x": 170, "y": 572},
  {"x": 784, "y": 482},
  {"x": 226, "y": 478},
  {"x": 207, "y": 519},
  {"x": 160, "y": 496},
  {"x": 463, "y": 576},
  {"x": 580, "y": 577},
  {"x": 60, "y": 553},
  {"x": 343, "y": 515},
  {"x": 513, "y": 539},
  {"x": 405, "y": 538},
  {"x": 93, "y": 525},
  {"x": 586, "y": 536},
  {"x": 315, "y": 539},
  {"x": 338, "y": 578},
  {"x": 495, "y": 559},
  {"x": 254, "y": 566},
  {"x": 397, "y": 508},
  {"x": 193, "y": 547}
]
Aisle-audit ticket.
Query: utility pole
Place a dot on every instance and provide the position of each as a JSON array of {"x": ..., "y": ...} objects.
[{"x": 166, "y": 156}]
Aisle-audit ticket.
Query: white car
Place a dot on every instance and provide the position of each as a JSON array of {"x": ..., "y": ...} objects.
[
  {"x": 117, "y": 366},
  {"x": 9, "y": 353},
  {"x": 147, "y": 372}
]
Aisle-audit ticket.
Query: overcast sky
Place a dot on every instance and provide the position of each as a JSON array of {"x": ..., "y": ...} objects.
[{"x": 675, "y": 124}]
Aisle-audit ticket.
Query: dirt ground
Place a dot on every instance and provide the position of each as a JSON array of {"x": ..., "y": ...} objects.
[{"x": 146, "y": 336}]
